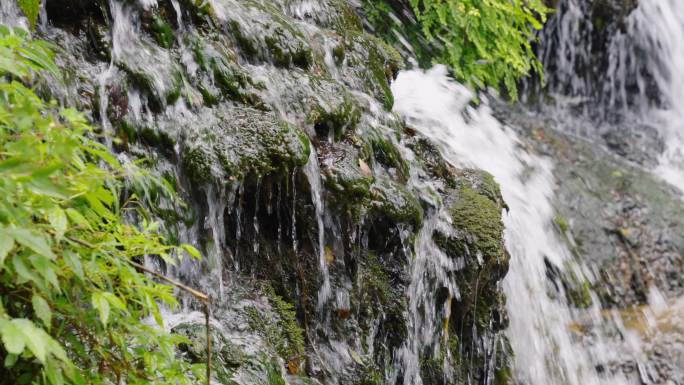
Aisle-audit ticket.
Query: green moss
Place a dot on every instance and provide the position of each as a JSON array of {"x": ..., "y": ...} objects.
[
  {"x": 376, "y": 285},
  {"x": 226, "y": 356},
  {"x": 221, "y": 78},
  {"x": 274, "y": 375},
  {"x": 503, "y": 376},
  {"x": 197, "y": 165},
  {"x": 344, "y": 175},
  {"x": 282, "y": 332},
  {"x": 339, "y": 118},
  {"x": 154, "y": 137},
  {"x": 161, "y": 92},
  {"x": 489, "y": 187},
  {"x": 162, "y": 32},
  {"x": 388, "y": 155},
  {"x": 577, "y": 290},
  {"x": 375, "y": 62},
  {"x": 562, "y": 224},
  {"x": 235, "y": 141},
  {"x": 477, "y": 215}
]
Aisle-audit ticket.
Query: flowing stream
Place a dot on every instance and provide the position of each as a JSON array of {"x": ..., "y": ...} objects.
[
  {"x": 546, "y": 350},
  {"x": 542, "y": 332},
  {"x": 471, "y": 137}
]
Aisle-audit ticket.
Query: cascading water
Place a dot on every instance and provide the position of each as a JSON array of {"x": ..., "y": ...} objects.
[
  {"x": 363, "y": 247},
  {"x": 540, "y": 334},
  {"x": 637, "y": 82},
  {"x": 658, "y": 26}
]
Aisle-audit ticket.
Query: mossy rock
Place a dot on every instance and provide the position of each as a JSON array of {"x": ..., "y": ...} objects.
[
  {"x": 279, "y": 328},
  {"x": 233, "y": 141},
  {"x": 226, "y": 358},
  {"x": 342, "y": 173},
  {"x": 475, "y": 210},
  {"x": 387, "y": 154},
  {"x": 266, "y": 36},
  {"x": 334, "y": 110},
  {"x": 374, "y": 63},
  {"x": 338, "y": 15},
  {"x": 480, "y": 218},
  {"x": 433, "y": 162},
  {"x": 153, "y": 70},
  {"x": 220, "y": 77},
  {"x": 395, "y": 202}
]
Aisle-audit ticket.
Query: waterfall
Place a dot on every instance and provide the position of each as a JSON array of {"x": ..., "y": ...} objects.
[
  {"x": 540, "y": 334},
  {"x": 658, "y": 26},
  {"x": 636, "y": 82},
  {"x": 311, "y": 241}
]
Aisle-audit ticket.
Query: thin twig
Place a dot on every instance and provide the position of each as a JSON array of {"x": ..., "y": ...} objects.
[{"x": 197, "y": 294}]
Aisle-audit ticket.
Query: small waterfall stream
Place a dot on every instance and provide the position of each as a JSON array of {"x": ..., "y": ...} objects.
[{"x": 540, "y": 334}]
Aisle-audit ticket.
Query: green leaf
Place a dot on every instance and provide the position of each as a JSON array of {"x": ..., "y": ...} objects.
[
  {"x": 35, "y": 338},
  {"x": 57, "y": 350},
  {"x": 101, "y": 304},
  {"x": 74, "y": 262},
  {"x": 42, "y": 309},
  {"x": 58, "y": 221},
  {"x": 10, "y": 360},
  {"x": 191, "y": 250},
  {"x": 115, "y": 301},
  {"x": 6, "y": 244},
  {"x": 33, "y": 240},
  {"x": 12, "y": 338},
  {"x": 24, "y": 272},
  {"x": 78, "y": 218},
  {"x": 31, "y": 9}
]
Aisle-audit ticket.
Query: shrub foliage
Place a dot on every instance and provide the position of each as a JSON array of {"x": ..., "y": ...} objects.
[
  {"x": 73, "y": 307},
  {"x": 485, "y": 42}
]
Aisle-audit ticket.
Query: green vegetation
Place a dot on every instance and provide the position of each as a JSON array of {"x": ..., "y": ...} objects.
[
  {"x": 282, "y": 332},
  {"x": 485, "y": 42},
  {"x": 31, "y": 9},
  {"x": 72, "y": 301}
]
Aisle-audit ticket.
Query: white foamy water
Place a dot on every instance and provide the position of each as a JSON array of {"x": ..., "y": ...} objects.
[
  {"x": 657, "y": 26},
  {"x": 545, "y": 353}
]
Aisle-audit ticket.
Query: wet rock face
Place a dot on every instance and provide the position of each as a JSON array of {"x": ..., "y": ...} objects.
[
  {"x": 641, "y": 145},
  {"x": 272, "y": 120},
  {"x": 615, "y": 216}
]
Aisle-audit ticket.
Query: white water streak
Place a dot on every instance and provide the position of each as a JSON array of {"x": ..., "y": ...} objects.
[{"x": 467, "y": 137}]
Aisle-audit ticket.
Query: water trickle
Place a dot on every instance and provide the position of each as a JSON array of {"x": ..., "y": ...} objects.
[
  {"x": 294, "y": 210},
  {"x": 539, "y": 332},
  {"x": 279, "y": 239},
  {"x": 313, "y": 175},
  {"x": 429, "y": 272},
  {"x": 658, "y": 27},
  {"x": 216, "y": 200},
  {"x": 11, "y": 15},
  {"x": 239, "y": 193},
  {"x": 255, "y": 219}
]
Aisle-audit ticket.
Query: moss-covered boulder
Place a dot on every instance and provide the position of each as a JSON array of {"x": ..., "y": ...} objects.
[{"x": 234, "y": 141}]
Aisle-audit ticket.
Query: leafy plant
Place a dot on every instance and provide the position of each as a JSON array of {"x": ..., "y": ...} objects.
[
  {"x": 485, "y": 42},
  {"x": 74, "y": 308}
]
